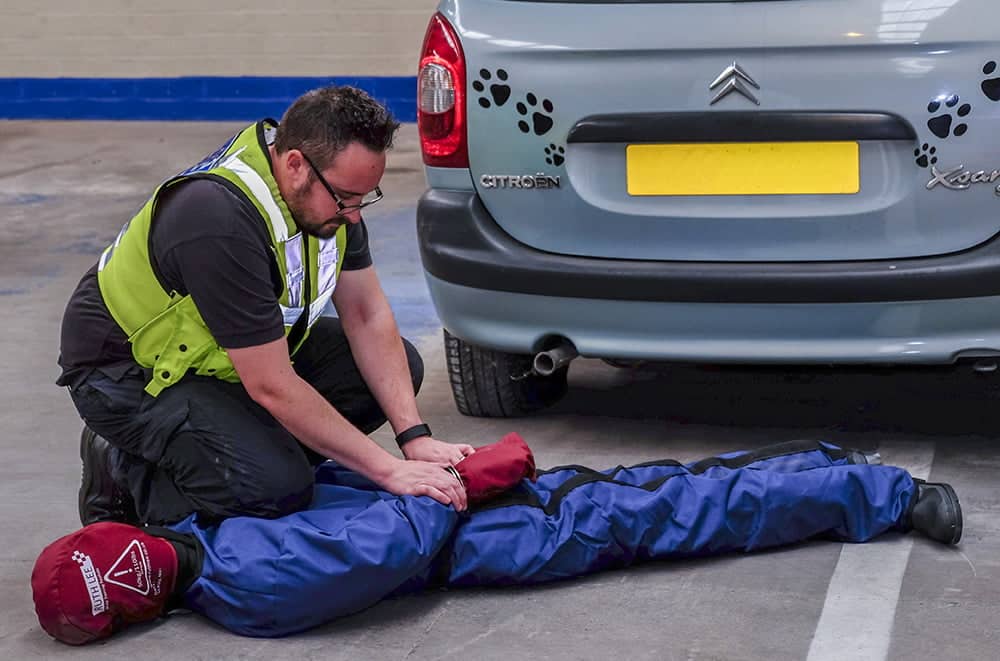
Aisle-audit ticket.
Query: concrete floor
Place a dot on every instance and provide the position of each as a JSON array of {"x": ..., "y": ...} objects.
[{"x": 66, "y": 188}]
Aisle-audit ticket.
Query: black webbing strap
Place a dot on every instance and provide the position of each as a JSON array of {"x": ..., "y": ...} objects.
[{"x": 522, "y": 496}]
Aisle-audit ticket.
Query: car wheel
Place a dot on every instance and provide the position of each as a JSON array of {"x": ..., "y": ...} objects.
[{"x": 494, "y": 384}]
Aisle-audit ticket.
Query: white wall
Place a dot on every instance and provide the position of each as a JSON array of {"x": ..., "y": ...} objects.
[{"x": 142, "y": 38}]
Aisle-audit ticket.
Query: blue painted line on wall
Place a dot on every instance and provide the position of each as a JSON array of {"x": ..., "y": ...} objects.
[{"x": 188, "y": 98}]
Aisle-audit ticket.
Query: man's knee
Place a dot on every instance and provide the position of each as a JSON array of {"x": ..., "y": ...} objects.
[
  {"x": 416, "y": 364},
  {"x": 270, "y": 480},
  {"x": 268, "y": 499},
  {"x": 283, "y": 494},
  {"x": 285, "y": 487}
]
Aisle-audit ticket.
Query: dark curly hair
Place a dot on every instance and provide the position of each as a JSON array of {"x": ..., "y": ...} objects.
[{"x": 322, "y": 122}]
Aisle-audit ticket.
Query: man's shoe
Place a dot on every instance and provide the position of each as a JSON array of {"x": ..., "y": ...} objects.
[
  {"x": 101, "y": 499},
  {"x": 936, "y": 512}
]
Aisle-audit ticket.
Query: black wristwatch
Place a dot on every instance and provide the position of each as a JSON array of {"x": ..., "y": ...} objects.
[{"x": 416, "y": 431}]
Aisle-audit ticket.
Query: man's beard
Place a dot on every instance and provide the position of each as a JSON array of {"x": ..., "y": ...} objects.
[{"x": 322, "y": 229}]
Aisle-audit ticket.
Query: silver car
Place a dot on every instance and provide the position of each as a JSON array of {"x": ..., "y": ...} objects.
[{"x": 770, "y": 181}]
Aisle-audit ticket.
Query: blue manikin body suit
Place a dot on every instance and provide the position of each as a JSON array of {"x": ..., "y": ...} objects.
[{"x": 357, "y": 544}]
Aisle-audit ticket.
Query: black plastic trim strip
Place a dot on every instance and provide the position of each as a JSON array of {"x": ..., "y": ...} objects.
[
  {"x": 729, "y": 126},
  {"x": 460, "y": 243}
]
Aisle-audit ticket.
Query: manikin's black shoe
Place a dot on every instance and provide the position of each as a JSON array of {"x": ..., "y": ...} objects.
[
  {"x": 936, "y": 512},
  {"x": 101, "y": 499}
]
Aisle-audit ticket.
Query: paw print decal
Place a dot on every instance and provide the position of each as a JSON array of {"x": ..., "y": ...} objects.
[
  {"x": 499, "y": 91},
  {"x": 991, "y": 86},
  {"x": 941, "y": 125},
  {"x": 541, "y": 122},
  {"x": 925, "y": 155},
  {"x": 555, "y": 155}
]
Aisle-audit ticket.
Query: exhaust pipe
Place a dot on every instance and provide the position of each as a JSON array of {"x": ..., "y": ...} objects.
[
  {"x": 548, "y": 362},
  {"x": 984, "y": 366}
]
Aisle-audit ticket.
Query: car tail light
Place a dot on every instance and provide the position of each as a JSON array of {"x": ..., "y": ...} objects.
[{"x": 441, "y": 97}]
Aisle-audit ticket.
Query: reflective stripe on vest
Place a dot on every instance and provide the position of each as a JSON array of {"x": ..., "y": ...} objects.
[
  {"x": 328, "y": 259},
  {"x": 260, "y": 191}
]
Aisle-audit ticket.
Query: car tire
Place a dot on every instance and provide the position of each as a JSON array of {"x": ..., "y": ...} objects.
[{"x": 494, "y": 384}]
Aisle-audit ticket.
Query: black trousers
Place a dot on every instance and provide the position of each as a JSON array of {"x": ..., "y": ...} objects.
[{"x": 204, "y": 446}]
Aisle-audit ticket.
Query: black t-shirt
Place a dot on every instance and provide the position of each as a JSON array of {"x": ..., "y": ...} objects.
[{"x": 207, "y": 240}]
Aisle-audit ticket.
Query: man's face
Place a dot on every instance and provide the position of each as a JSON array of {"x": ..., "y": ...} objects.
[{"x": 353, "y": 174}]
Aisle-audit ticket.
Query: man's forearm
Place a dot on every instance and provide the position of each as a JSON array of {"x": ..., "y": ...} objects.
[
  {"x": 308, "y": 416},
  {"x": 317, "y": 424}
]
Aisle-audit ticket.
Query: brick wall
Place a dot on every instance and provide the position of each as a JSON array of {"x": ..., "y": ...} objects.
[{"x": 142, "y": 38}]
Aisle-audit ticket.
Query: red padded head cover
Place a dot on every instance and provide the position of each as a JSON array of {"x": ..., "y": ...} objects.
[
  {"x": 92, "y": 582},
  {"x": 495, "y": 468}
]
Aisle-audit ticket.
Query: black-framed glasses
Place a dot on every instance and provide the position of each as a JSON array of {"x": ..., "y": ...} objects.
[{"x": 367, "y": 201}]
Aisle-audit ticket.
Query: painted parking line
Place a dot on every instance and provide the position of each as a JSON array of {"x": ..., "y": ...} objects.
[{"x": 860, "y": 606}]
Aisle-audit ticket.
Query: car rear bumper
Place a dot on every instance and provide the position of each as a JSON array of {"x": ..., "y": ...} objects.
[
  {"x": 908, "y": 332},
  {"x": 461, "y": 244},
  {"x": 495, "y": 292}
]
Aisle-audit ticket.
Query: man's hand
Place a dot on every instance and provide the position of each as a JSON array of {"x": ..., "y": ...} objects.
[
  {"x": 426, "y": 448},
  {"x": 423, "y": 478}
]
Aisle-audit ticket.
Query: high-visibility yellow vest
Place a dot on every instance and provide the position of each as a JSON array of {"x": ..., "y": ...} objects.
[{"x": 165, "y": 329}]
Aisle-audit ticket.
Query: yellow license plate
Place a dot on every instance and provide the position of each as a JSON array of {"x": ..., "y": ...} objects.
[{"x": 744, "y": 168}]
